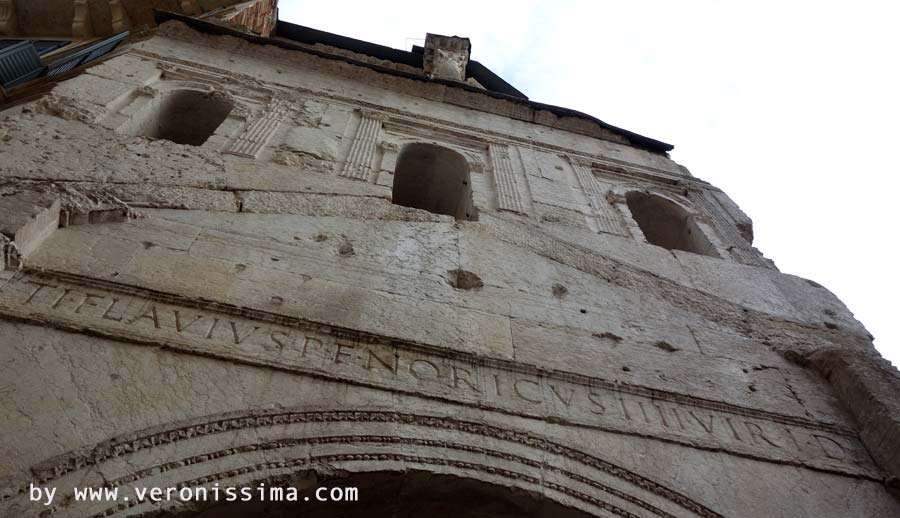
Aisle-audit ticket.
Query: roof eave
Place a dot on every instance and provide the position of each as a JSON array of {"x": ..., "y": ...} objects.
[{"x": 635, "y": 139}]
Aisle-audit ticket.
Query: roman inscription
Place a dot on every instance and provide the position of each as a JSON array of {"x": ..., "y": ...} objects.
[{"x": 122, "y": 313}]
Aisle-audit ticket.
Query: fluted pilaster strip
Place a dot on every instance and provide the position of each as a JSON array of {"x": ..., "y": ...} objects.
[
  {"x": 257, "y": 133},
  {"x": 358, "y": 165},
  {"x": 604, "y": 213},
  {"x": 508, "y": 195}
]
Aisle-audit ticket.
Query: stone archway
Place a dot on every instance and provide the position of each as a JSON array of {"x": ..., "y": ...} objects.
[
  {"x": 275, "y": 447},
  {"x": 395, "y": 494}
]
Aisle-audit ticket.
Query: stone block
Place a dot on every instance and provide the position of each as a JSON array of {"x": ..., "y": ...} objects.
[{"x": 27, "y": 217}]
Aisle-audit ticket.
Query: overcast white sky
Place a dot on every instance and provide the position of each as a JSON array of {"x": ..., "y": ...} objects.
[{"x": 790, "y": 107}]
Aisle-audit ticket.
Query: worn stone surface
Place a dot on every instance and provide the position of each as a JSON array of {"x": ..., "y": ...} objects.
[{"x": 255, "y": 307}]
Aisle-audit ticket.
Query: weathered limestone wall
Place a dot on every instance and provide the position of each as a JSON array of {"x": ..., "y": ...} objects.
[{"x": 270, "y": 311}]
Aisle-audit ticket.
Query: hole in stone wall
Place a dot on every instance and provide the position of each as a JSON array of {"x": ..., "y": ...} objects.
[
  {"x": 665, "y": 346},
  {"x": 185, "y": 117},
  {"x": 666, "y": 224},
  {"x": 464, "y": 280},
  {"x": 609, "y": 336},
  {"x": 435, "y": 179},
  {"x": 559, "y": 291},
  {"x": 345, "y": 249}
]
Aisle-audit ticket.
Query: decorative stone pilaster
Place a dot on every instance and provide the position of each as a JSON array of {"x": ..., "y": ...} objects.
[
  {"x": 358, "y": 165},
  {"x": 256, "y": 134},
  {"x": 620, "y": 206},
  {"x": 8, "y": 21},
  {"x": 389, "y": 153},
  {"x": 118, "y": 16},
  {"x": 509, "y": 196},
  {"x": 81, "y": 20},
  {"x": 607, "y": 218}
]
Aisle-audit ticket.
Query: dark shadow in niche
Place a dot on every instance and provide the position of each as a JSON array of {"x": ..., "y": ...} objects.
[
  {"x": 435, "y": 179},
  {"x": 185, "y": 117},
  {"x": 410, "y": 493},
  {"x": 667, "y": 224}
]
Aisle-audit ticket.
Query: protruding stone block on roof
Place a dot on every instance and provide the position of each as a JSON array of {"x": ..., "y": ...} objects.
[{"x": 446, "y": 57}]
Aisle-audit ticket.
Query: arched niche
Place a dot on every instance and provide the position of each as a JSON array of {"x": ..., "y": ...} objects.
[
  {"x": 435, "y": 179},
  {"x": 183, "y": 116},
  {"x": 667, "y": 224}
]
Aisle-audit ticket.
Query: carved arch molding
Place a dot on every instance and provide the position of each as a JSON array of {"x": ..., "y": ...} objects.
[{"x": 244, "y": 448}]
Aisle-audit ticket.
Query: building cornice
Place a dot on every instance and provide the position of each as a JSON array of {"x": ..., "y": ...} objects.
[{"x": 538, "y": 113}]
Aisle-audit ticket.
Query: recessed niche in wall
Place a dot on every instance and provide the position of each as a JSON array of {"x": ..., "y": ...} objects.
[
  {"x": 183, "y": 116},
  {"x": 435, "y": 179},
  {"x": 667, "y": 224}
]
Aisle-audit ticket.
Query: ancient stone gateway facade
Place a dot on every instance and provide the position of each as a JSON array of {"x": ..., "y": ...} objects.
[{"x": 278, "y": 259}]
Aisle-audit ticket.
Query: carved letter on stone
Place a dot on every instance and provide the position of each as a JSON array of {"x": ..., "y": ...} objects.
[
  {"x": 123, "y": 312},
  {"x": 255, "y": 135},
  {"x": 606, "y": 217},
  {"x": 359, "y": 162},
  {"x": 508, "y": 195}
]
